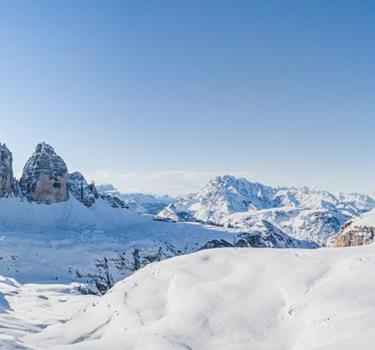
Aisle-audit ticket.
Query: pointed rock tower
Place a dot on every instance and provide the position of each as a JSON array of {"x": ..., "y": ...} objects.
[
  {"x": 81, "y": 190},
  {"x": 44, "y": 177},
  {"x": 6, "y": 172}
]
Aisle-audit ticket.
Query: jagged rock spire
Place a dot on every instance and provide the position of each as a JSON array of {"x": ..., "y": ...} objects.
[
  {"x": 6, "y": 171},
  {"x": 81, "y": 190},
  {"x": 44, "y": 177}
]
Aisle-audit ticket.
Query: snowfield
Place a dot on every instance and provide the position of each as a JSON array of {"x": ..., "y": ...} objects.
[
  {"x": 100, "y": 245},
  {"x": 258, "y": 299},
  {"x": 96, "y": 246},
  {"x": 30, "y": 308}
]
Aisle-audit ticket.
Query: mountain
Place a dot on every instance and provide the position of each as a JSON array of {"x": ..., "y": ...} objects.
[
  {"x": 302, "y": 212},
  {"x": 44, "y": 177},
  {"x": 229, "y": 298},
  {"x": 99, "y": 245},
  {"x": 7, "y": 182},
  {"x": 59, "y": 227},
  {"x": 139, "y": 202}
]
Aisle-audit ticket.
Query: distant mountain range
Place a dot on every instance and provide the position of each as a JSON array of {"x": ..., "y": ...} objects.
[
  {"x": 301, "y": 212},
  {"x": 55, "y": 226}
]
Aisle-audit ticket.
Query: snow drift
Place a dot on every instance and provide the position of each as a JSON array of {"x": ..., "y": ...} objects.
[{"x": 232, "y": 299}]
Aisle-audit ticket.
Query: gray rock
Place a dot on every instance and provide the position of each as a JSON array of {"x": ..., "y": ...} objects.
[
  {"x": 44, "y": 177},
  {"x": 7, "y": 181},
  {"x": 81, "y": 190},
  {"x": 114, "y": 202}
]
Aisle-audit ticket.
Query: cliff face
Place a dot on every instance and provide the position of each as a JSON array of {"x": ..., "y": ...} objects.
[
  {"x": 354, "y": 235},
  {"x": 360, "y": 231},
  {"x": 44, "y": 177},
  {"x": 6, "y": 172},
  {"x": 81, "y": 190}
]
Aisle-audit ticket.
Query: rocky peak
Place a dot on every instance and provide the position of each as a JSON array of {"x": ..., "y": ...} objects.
[
  {"x": 360, "y": 231},
  {"x": 81, "y": 190},
  {"x": 228, "y": 194},
  {"x": 44, "y": 177},
  {"x": 6, "y": 171}
]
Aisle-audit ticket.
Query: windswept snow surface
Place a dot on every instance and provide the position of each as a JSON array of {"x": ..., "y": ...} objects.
[
  {"x": 29, "y": 308},
  {"x": 367, "y": 219},
  {"x": 240, "y": 299}
]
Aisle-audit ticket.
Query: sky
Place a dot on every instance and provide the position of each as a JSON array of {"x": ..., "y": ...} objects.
[{"x": 162, "y": 95}]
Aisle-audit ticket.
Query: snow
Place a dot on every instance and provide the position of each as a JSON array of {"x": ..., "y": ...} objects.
[
  {"x": 100, "y": 245},
  {"x": 68, "y": 241},
  {"x": 138, "y": 202},
  {"x": 367, "y": 219},
  {"x": 302, "y": 212},
  {"x": 216, "y": 299},
  {"x": 29, "y": 308}
]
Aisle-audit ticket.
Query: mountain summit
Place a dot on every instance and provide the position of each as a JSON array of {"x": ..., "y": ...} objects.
[
  {"x": 45, "y": 180},
  {"x": 44, "y": 177},
  {"x": 302, "y": 212}
]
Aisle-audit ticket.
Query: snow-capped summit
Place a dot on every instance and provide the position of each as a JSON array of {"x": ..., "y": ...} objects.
[
  {"x": 45, "y": 175},
  {"x": 302, "y": 212},
  {"x": 222, "y": 196},
  {"x": 308, "y": 197},
  {"x": 227, "y": 194}
]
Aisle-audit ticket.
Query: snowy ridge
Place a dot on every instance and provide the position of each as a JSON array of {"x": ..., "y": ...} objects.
[
  {"x": 59, "y": 227},
  {"x": 304, "y": 212},
  {"x": 100, "y": 245},
  {"x": 246, "y": 299}
]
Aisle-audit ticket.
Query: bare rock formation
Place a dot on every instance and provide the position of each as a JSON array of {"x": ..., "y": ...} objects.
[
  {"x": 7, "y": 181},
  {"x": 81, "y": 190},
  {"x": 45, "y": 175}
]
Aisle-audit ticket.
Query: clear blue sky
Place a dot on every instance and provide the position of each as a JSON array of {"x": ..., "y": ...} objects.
[{"x": 161, "y": 95}]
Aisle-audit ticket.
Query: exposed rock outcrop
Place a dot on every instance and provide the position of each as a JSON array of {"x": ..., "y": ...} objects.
[
  {"x": 359, "y": 231},
  {"x": 354, "y": 235},
  {"x": 114, "y": 202},
  {"x": 7, "y": 182},
  {"x": 81, "y": 190},
  {"x": 45, "y": 175}
]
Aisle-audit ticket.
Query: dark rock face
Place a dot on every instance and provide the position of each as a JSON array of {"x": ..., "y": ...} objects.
[
  {"x": 44, "y": 177},
  {"x": 81, "y": 190},
  {"x": 7, "y": 182},
  {"x": 114, "y": 202}
]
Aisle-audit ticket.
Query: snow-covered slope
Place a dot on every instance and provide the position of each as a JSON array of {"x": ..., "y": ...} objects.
[
  {"x": 240, "y": 299},
  {"x": 30, "y": 308},
  {"x": 100, "y": 245},
  {"x": 303, "y": 212}
]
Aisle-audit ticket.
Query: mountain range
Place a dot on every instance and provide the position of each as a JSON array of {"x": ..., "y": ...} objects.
[
  {"x": 73, "y": 253},
  {"x": 301, "y": 212},
  {"x": 55, "y": 226}
]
